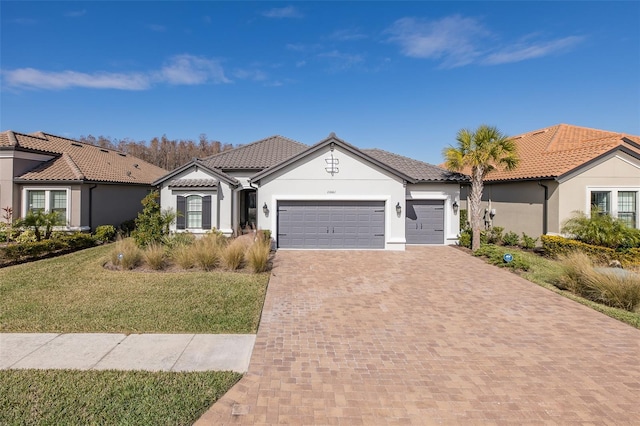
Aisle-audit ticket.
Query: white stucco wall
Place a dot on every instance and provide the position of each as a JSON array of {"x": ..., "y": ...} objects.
[
  {"x": 448, "y": 192},
  {"x": 618, "y": 172},
  {"x": 222, "y": 200},
  {"x": 354, "y": 180}
]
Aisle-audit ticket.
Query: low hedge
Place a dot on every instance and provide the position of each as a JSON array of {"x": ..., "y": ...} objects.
[
  {"x": 555, "y": 246},
  {"x": 25, "y": 251}
]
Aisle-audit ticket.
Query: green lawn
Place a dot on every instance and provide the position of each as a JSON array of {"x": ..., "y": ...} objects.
[
  {"x": 65, "y": 397},
  {"x": 545, "y": 272},
  {"x": 74, "y": 293}
]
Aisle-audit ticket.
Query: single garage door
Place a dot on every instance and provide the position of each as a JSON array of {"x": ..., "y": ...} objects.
[
  {"x": 331, "y": 224},
  {"x": 425, "y": 222}
]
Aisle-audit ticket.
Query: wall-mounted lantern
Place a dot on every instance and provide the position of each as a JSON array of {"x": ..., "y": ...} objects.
[
  {"x": 265, "y": 209},
  {"x": 455, "y": 206},
  {"x": 398, "y": 209}
]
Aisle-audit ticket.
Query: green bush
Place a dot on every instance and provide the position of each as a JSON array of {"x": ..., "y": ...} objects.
[
  {"x": 464, "y": 219},
  {"x": 494, "y": 235},
  {"x": 602, "y": 230},
  {"x": 510, "y": 239},
  {"x": 464, "y": 240},
  {"x": 105, "y": 233},
  {"x": 528, "y": 242},
  {"x": 126, "y": 228},
  {"x": 556, "y": 246},
  {"x": 179, "y": 239},
  {"x": 4, "y": 232},
  {"x": 495, "y": 256},
  {"x": 152, "y": 223},
  {"x": 35, "y": 249}
]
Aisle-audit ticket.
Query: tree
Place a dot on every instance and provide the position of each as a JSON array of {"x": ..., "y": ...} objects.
[
  {"x": 38, "y": 220},
  {"x": 479, "y": 152},
  {"x": 152, "y": 223}
]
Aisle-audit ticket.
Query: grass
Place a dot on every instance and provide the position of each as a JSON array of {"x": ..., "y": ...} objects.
[
  {"x": 108, "y": 397},
  {"x": 74, "y": 293},
  {"x": 548, "y": 272}
]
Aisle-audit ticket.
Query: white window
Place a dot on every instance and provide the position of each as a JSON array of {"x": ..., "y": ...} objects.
[
  {"x": 617, "y": 202},
  {"x": 194, "y": 212},
  {"x": 47, "y": 200}
]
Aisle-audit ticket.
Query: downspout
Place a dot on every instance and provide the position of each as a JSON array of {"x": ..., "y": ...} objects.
[
  {"x": 91, "y": 188},
  {"x": 218, "y": 205},
  {"x": 545, "y": 207}
]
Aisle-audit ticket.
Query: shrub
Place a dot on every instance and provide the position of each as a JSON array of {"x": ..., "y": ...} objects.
[
  {"x": 126, "y": 254},
  {"x": 105, "y": 233},
  {"x": 78, "y": 240},
  {"x": 4, "y": 232},
  {"x": 27, "y": 236},
  {"x": 172, "y": 241},
  {"x": 154, "y": 256},
  {"x": 556, "y": 246},
  {"x": 152, "y": 223},
  {"x": 258, "y": 255},
  {"x": 617, "y": 288},
  {"x": 233, "y": 253},
  {"x": 495, "y": 256},
  {"x": 464, "y": 240},
  {"x": 126, "y": 228},
  {"x": 494, "y": 235},
  {"x": 602, "y": 230},
  {"x": 206, "y": 252},
  {"x": 464, "y": 219},
  {"x": 528, "y": 242},
  {"x": 183, "y": 256},
  {"x": 510, "y": 239}
]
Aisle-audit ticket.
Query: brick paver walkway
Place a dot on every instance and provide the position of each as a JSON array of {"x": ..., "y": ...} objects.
[{"x": 428, "y": 336}]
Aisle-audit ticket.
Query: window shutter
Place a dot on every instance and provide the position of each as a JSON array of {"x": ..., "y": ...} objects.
[
  {"x": 181, "y": 220},
  {"x": 206, "y": 212}
]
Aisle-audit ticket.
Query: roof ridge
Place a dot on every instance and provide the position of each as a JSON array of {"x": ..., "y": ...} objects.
[
  {"x": 399, "y": 155},
  {"x": 241, "y": 146},
  {"x": 11, "y": 135},
  {"x": 74, "y": 167}
]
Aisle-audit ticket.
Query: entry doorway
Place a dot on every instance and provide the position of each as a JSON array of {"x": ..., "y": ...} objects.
[{"x": 248, "y": 212}]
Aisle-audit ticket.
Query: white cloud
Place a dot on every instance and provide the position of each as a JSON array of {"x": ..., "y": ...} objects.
[
  {"x": 456, "y": 41},
  {"x": 254, "y": 75},
  {"x": 452, "y": 40},
  {"x": 347, "y": 35},
  {"x": 341, "y": 61},
  {"x": 282, "y": 12},
  {"x": 179, "y": 70},
  {"x": 523, "y": 51},
  {"x": 191, "y": 70},
  {"x": 75, "y": 13}
]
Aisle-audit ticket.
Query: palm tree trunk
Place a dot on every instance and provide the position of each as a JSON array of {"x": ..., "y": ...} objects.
[{"x": 475, "y": 211}]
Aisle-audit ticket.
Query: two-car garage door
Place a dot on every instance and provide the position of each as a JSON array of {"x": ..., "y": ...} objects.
[{"x": 331, "y": 224}]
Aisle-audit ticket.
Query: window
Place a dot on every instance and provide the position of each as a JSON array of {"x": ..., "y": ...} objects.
[
  {"x": 36, "y": 201},
  {"x": 627, "y": 210},
  {"x": 620, "y": 203},
  {"x": 194, "y": 212},
  {"x": 601, "y": 200},
  {"x": 47, "y": 200}
]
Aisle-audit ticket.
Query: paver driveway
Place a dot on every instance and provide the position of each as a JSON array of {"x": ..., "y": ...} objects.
[{"x": 428, "y": 336}]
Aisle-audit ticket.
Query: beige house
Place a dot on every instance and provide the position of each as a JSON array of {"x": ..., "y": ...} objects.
[
  {"x": 564, "y": 169},
  {"x": 87, "y": 185},
  {"x": 331, "y": 195}
]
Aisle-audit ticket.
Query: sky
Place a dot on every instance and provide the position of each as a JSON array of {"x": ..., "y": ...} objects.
[{"x": 400, "y": 76}]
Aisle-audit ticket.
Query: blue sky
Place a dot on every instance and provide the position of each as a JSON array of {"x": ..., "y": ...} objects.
[{"x": 400, "y": 76}]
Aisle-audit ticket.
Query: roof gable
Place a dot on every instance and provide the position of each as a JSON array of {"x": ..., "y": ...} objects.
[
  {"x": 78, "y": 161},
  {"x": 329, "y": 141},
  {"x": 219, "y": 174}
]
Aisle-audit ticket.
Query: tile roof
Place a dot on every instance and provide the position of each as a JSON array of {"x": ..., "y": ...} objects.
[
  {"x": 559, "y": 149},
  {"x": 193, "y": 183},
  {"x": 257, "y": 155},
  {"x": 418, "y": 170},
  {"x": 78, "y": 161}
]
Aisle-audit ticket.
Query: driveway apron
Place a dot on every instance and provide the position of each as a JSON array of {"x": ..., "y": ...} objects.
[{"x": 431, "y": 335}]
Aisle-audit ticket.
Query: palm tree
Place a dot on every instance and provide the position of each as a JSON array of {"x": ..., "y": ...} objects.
[{"x": 478, "y": 153}]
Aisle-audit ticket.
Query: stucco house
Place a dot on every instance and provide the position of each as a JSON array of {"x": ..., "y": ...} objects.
[
  {"x": 87, "y": 185},
  {"x": 564, "y": 169},
  {"x": 329, "y": 195}
]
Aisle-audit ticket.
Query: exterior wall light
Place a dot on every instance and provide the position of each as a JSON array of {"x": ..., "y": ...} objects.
[
  {"x": 398, "y": 209},
  {"x": 455, "y": 206},
  {"x": 265, "y": 209}
]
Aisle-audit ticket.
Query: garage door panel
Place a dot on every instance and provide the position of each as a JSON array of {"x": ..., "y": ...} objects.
[
  {"x": 331, "y": 224},
  {"x": 425, "y": 222}
]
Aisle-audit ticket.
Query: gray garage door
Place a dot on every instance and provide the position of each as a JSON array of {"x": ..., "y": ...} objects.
[
  {"x": 331, "y": 224},
  {"x": 425, "y": 222}
]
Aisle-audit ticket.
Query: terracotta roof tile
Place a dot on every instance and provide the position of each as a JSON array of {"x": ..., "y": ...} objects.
[
  {"x": 77, "y": 161},
  {"x": 193, "y": 183},
  {"x": 556, "y": 150},
  {"x": 257, "y": 155}
]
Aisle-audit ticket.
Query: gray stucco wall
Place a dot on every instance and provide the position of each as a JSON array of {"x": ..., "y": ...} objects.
[{"x": 111, "y": 204}]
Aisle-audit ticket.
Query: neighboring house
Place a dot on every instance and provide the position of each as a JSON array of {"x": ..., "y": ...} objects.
[
  {"x": 565, "y": 169},
  {"x": 329, "y": 195},
  {"x": 87, "y": 185}
]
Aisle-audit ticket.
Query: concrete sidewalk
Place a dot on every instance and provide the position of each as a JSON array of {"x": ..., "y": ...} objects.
[{"x": 102, "y": 351}]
